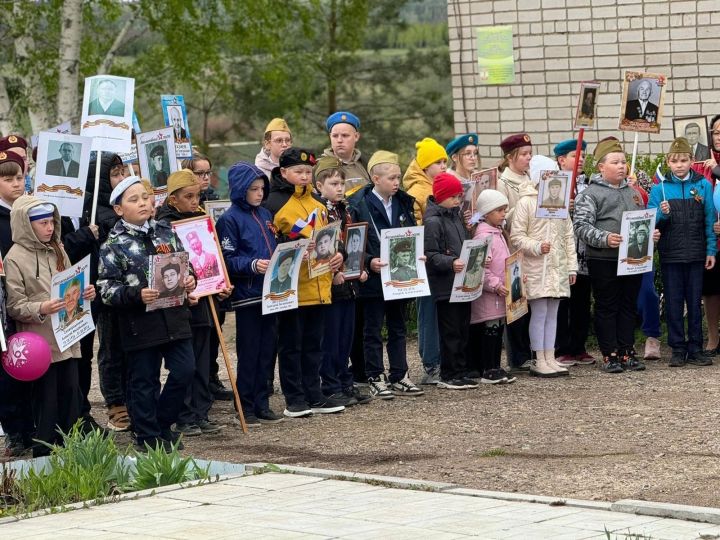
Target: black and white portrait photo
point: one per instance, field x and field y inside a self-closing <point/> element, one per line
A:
<point x="66" y="163"/>
<point x="107" y="97"/>
<point x="694" y="129"/>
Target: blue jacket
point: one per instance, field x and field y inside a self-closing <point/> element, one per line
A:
<point x="366" y="206"/>
<point x="246" y="235"/>
<point x="687" y="231"/>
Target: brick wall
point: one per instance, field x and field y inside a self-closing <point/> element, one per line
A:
<point x="559" y="43"/>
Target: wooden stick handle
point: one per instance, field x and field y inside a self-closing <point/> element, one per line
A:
<point x="93" y="212"/>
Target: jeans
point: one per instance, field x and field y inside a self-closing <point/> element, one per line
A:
<point x="682" y="284"/>
<point x="198" y="398"/>
<point x="393" y="312"/>
<point x="256" y="343"/>
<point x="337" y="342"/>
<point x="428" y="335"/>
<point x="648" y="304"/>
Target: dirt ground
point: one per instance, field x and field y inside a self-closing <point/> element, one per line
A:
<point x="650" y="435"/>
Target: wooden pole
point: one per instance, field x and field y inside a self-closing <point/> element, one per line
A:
<point x="231" y="373"/>
<point x="98" y="158"/>
<point x="634" y="155"/>
<point x="578" y="149"/>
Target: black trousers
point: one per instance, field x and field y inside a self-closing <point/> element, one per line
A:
<point x="112" y="364"/>
<point x="214" y="367"/>
<point x="393" y="313"/>
<point x="615" y="306"/>
<point x="357" y="353"/>
<point x="256" y="343"/>
<point x="485" y="341"/>
<point x="517" y="341"/>
<point x="56" y="403"/>
<point x="300" y="354"/>
<point x="198" y="398"/>
<point x="573" y="322"/>
<point x="16" y="406"/>
<point x="453" y="324"/>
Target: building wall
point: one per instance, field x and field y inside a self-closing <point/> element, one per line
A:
<point x="559" y="43"/>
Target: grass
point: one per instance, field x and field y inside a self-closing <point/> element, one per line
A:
<point x="493" y="452"/>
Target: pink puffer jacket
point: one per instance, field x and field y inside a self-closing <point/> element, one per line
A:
<point x="490" y="305"/>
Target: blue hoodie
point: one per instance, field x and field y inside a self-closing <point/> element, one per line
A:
<point x="246" y="235"/>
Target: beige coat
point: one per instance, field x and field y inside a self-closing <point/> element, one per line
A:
<point x="509" y="184"/>
<point x="528" y="233"/>
<point x="29" y="267"/>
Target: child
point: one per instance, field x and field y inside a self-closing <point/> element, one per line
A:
<point x="146" y="337"/>
<point x="383" y="206"/>
<point x="445" y="233"/>
<point x="337" y="380"/>
<point x="300" y="334"/>
<point x="487" y="320"/>
<point x="464" y="157"/>
<point x="431" y="160"/>
<point x="687" y="248"/>
<point x="571" y="336"/>
<point x="12" y="185"/>
<point x="550" y="267"/>
<point x="598" y="212"/>
<point x="35" y="257"/>
<point x="183" y="202"/>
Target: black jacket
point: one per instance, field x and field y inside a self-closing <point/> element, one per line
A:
<point x="444" y="237"/>
<point x="366" y="206"/>
<point x="339" y="212"/>
<point x="5" y="231"/>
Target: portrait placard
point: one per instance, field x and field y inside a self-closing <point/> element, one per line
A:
<point x="199" y="238"/>
<point x="64" y="128"/>
<point x="156" y="153"/>
<point x="516" y="304"/>
<point x="281" y="278"/>
<point x="107" y="112"/>
<point x="355" y="244"/>
<point x="467" y="285"/>
<point x="215" y="209"/>
<point x="479" y="182"/>
<point x="635" y="254"/>
<point x="404" y="276"/>
<point x="326" y="245"/>
<point x="74" y="321"/>
<point x="642" y="102"/>
<point x="553" y="194"/>
<point x="62" y="170"/>
<point x="175" y="116"/>
<point x="167" y="274"/>
<point x="695" y="130"/>
<point x="587" y="104"/>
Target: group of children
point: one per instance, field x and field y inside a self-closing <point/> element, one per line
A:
<point x="460" y="343"/>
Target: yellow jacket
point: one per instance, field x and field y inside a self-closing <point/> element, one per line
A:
<point x="419" y="185"/>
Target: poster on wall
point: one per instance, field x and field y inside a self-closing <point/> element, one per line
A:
<point x="496" y="64"/>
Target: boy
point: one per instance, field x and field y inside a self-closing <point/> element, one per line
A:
<point x="248" y="242"/>
<point x="431" y="160"/>
<point x="146" y="337"/>
<point x="337" y="380"/>
<point x="687" y="247"/>
<point x="295" y="214"/>
<point x="383" y="206"/>
<point x="445" y="233"/>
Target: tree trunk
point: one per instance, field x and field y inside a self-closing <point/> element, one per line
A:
<point x="70" y="35"/>
<point x="6" y="122"/>
<point x="332" y="43"/>
<point x="107" y="62"/>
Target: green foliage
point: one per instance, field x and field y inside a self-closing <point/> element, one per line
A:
<point x="646" y="163"/>
<point x="160" y="468"/>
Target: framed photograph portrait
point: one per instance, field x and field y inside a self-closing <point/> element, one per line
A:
<point x="587" y="104"/>
<point x="281" y="278"/>
<point x="553" y="194"/>
<point x="107" y="112"/>
<point x="694" y="129"/>
<point x="326" y="246"/>
<point x="404" y="276"/>
<point x="175" y="116"/>
<point x="467" y="285"/>
<point x="62" y="170"/>
<point x="167" y="275"/>
<point x="215" y="209"/>
<point x="642" y="102"/>
<point x="156" y="154"/>
<point x="516" y="304"/>
<point x="74" y="321"/>
<point x="479" y="182"/>
<point x="199" y="238"/>
<point x="635" y="254"/>
<point x="355" y="244"/>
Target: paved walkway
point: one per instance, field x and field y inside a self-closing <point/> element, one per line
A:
<point x="276" y="505"/>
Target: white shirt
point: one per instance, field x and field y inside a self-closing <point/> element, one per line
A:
<point x="387" y="205"/>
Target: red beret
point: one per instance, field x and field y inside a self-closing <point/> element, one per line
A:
<point x="13" y="141"/>
<point x="6" y="157"/>
<point x="446" y="185"/>
<point x="515" y="141"/>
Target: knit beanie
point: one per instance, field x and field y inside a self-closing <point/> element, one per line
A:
<point x="446" y="185"/>
<point x="428" y="152"/>
<point x="490" y="200"/>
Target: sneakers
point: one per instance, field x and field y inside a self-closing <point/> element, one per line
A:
<point x="431" y="376"/>
<point x="566" y="360"/>
<point x="208" y="426"/>
<point x="189" y="430"/>
<point x="506" y="377"/>
<point x="584" y="359"/>
<point x="269" y="417"/>
<point x="343" y="399"/>
<point x="405" y="387"/>
<point x="611" y="364"/>
<point x="218" y="391"/>
<point x="297" y="410"/>
<point x="469" y="383"/>
<point x="330" y="405"/>
<point x="251" y="421"/>
<point x="631" y="363"/>
<point x="698" y="360"/>
<point x="14" y="445"/>
<point x="524" y="367"/>
<point x="118" y="418"/>
<point x="652" y="349"/>
<point x="493" y="376"/>
<point x="452" y="384"/>
<point x="361" y="396"/>
<point x="540" y="368"/>
<point x="378" y="387"/>
<point x="677" y="359"/>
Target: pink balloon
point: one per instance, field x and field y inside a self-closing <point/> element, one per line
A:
<point x="27" y="357"/>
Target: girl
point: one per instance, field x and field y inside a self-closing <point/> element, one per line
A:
<point x="464" y="157"/>
<point x="487" y="320"/>
<point x="550" y="264"/>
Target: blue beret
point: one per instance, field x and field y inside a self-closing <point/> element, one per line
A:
<point x="565" y="147"/>
<point x="342" y="117"/>
<point x="458" y="143"/>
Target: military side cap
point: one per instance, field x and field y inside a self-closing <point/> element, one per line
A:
<point x="325" y="163"/>
<point x="277" y="124"/>
<point x="13" y="141"/>
<point x="8" y="156"/>
<point x="680" y="146"/>
<point x="382" y="156"/>
<point x="605" y="147"/>
<point x="565" y="147"/>
<point x="159" y="150"/>
<point x="512" y="142"/>
<point x="460" y="142"/>
<point x="297" y="156"/>
<point x="342" y="117"/>
<point x="180" y="179"/>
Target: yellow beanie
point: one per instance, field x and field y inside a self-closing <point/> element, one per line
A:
<point x="277" y="124"/>
<point x="428" y="152"/>
<point x="180" y="179"/>
<point x="382" y="156"/>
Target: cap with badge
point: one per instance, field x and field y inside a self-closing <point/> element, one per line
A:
<point x="512" y="142"/>
<point x="342" y="117"/>
<point x="297" y="156"/>
<point x="41" y="211"/>
<point x="277" y="124"/>
<point x="382" y="156"/>
<point x="180" y="179"/>
<point x="325" y="163"/>
<point x="159" y="150"/>
<point x="565" y="147"/>
<point x="607" y="146"/>
<point x="8" y="156"/>
<point x="460" y="142"/>
<point x="680" y="146"/>
<point x="116" y="195"/>
<point x="12" y="141"/>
